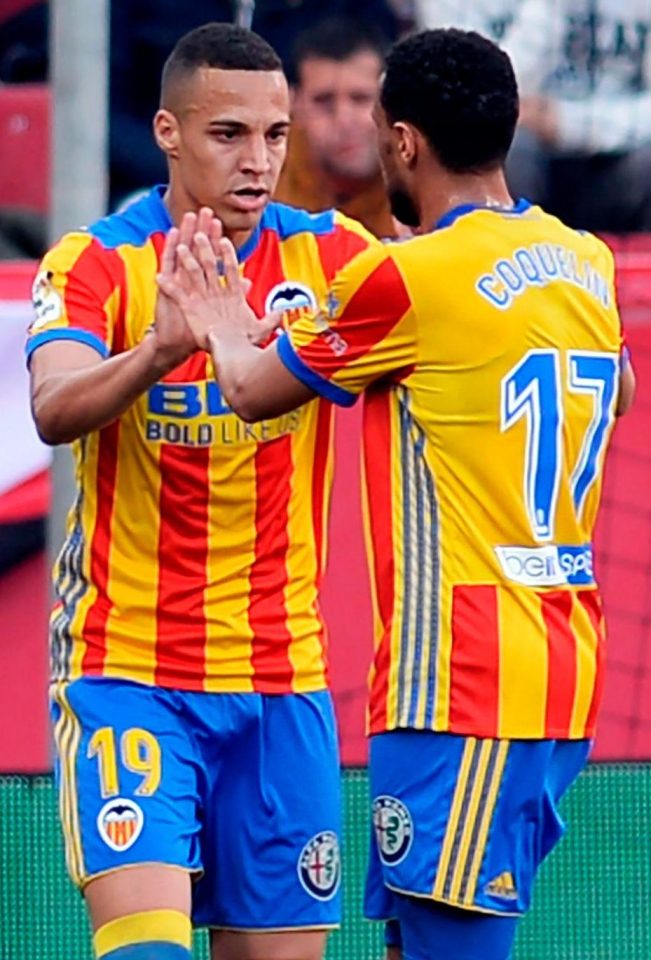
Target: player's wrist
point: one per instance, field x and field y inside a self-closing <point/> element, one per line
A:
<point x="163" y="357"/>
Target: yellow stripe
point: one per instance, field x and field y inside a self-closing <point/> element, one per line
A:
<point x="522" y="679"/>
<point x="150" y="926"/>
<point x="60" y="741"/>
<point x="70" y="760"/>
<point x="87" y="473"/>
<point x="301" y="260"/>
<point x="67" y="734"/>
<point x="502" y="752"/>
<point x="397" y="534"/>
<point x="231" y="552"/>
<point x="470" y="819"/>
<point x="135" y="523"/>
<point x="453" y="820"/>
<point x="410" y="613"/>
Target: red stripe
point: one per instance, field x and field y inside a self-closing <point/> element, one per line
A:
<point x="94" y="276"/>
<point x="182" y="564"/>
<point x="338" y="248"/>
<point x="474" y="664"/>
<point x="561" y="676"/>
<point x="322" y="451"/>
<point x="376" y="307"/>
<point x="590" y="600"/>
<point x="272" y="669"/>
<point x="265" y="268"/>
<point x="377" y="466"/>
<point x="94" y="631"/>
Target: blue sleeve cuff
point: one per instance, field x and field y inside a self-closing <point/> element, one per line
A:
<point x="299" y="369"/>
<point x="66" y="333"/>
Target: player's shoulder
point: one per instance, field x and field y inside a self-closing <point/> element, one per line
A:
<point x="96" y="243"/>
<point x="288" y="221"/>
<point x="135" y="224"/>
<point x="587" y="245"/>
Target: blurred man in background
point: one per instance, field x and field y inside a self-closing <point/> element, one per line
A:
<point x="583" y="147"/>
<point x="144" y="31"/>
<point x="490" y="17"/>
<point x="333" y="158"/>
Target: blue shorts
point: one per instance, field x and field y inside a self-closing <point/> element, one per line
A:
<point x="464" y="822"/>
<point x="243" y="790"/>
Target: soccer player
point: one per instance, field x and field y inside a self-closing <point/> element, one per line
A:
<point x="490" y="350"/>
<point x="197" y="756"/>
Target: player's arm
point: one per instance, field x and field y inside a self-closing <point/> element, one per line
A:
<point x="367" y="304"/>
<point x="76" y="386"/>
<point x="74" y="391"/>
<point x="627" y="384"/>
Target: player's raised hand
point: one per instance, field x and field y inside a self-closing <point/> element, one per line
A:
<point x="208" y="289"/>
<point x="174" y="338"/>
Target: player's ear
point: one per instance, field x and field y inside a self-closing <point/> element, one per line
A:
<point x="406" y="143"/>
<point x="166" y="132"/>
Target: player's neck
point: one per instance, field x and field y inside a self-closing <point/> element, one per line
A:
<point x="445" y="193"/>
<point x="178" y="203"/>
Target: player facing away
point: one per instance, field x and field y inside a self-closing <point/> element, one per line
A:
<point x="197" y="756"/>
<point x="490" y="352"/>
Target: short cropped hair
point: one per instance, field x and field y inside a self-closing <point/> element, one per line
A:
<point x="459" y="90"/>
<point x="222" y="46"/>
<point x="336" y="38"/>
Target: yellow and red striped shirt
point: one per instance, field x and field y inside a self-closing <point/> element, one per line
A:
<point x="196" y="543"/>
<point x="490" y="354"/>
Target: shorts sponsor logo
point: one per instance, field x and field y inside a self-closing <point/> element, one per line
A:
<point x="319" y="865"/>
<point x="548" y="566"/>
<point x="120" y="823"/>
<point x="290" y="298"/>
<point x="394" y="829"/>
<point x="48" y="305"/>
<point x="502" y="887"/>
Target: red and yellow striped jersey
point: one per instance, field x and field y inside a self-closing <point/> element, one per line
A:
<point x="490" y="352"/>
<point x="196" y="543"/>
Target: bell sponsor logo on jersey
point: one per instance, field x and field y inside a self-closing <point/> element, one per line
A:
<point x="548" y="566"/>
<point x="120" y="823"/>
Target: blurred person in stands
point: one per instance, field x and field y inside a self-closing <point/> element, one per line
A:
<point x="142" y="34"/>
<point x="489" y="17"/>
<point x="197" y="755"/>
<point x="491" y="354"/>
<point x="583" y="147"/>
<point x="333" y="157"/>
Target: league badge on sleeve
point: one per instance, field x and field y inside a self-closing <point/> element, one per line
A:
<point x="48" y="305"/>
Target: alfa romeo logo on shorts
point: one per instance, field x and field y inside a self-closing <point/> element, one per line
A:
<point x="394" y="829"/>
<point x="119" y="823"/>
<point x="319" y="865"/>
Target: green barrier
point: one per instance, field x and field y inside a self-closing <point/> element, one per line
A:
<point x="592" y="900"/>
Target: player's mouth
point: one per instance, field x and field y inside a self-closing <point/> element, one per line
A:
<point x="250" y="199"/>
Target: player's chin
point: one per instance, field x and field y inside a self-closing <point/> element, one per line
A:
<point x="236" y="220"/>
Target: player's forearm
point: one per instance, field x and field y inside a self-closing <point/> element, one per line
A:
<point x="235" y="360"/>
<point x="67" y="405"/>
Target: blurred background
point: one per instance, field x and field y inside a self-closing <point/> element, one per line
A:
<point x="78" y="88"/>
